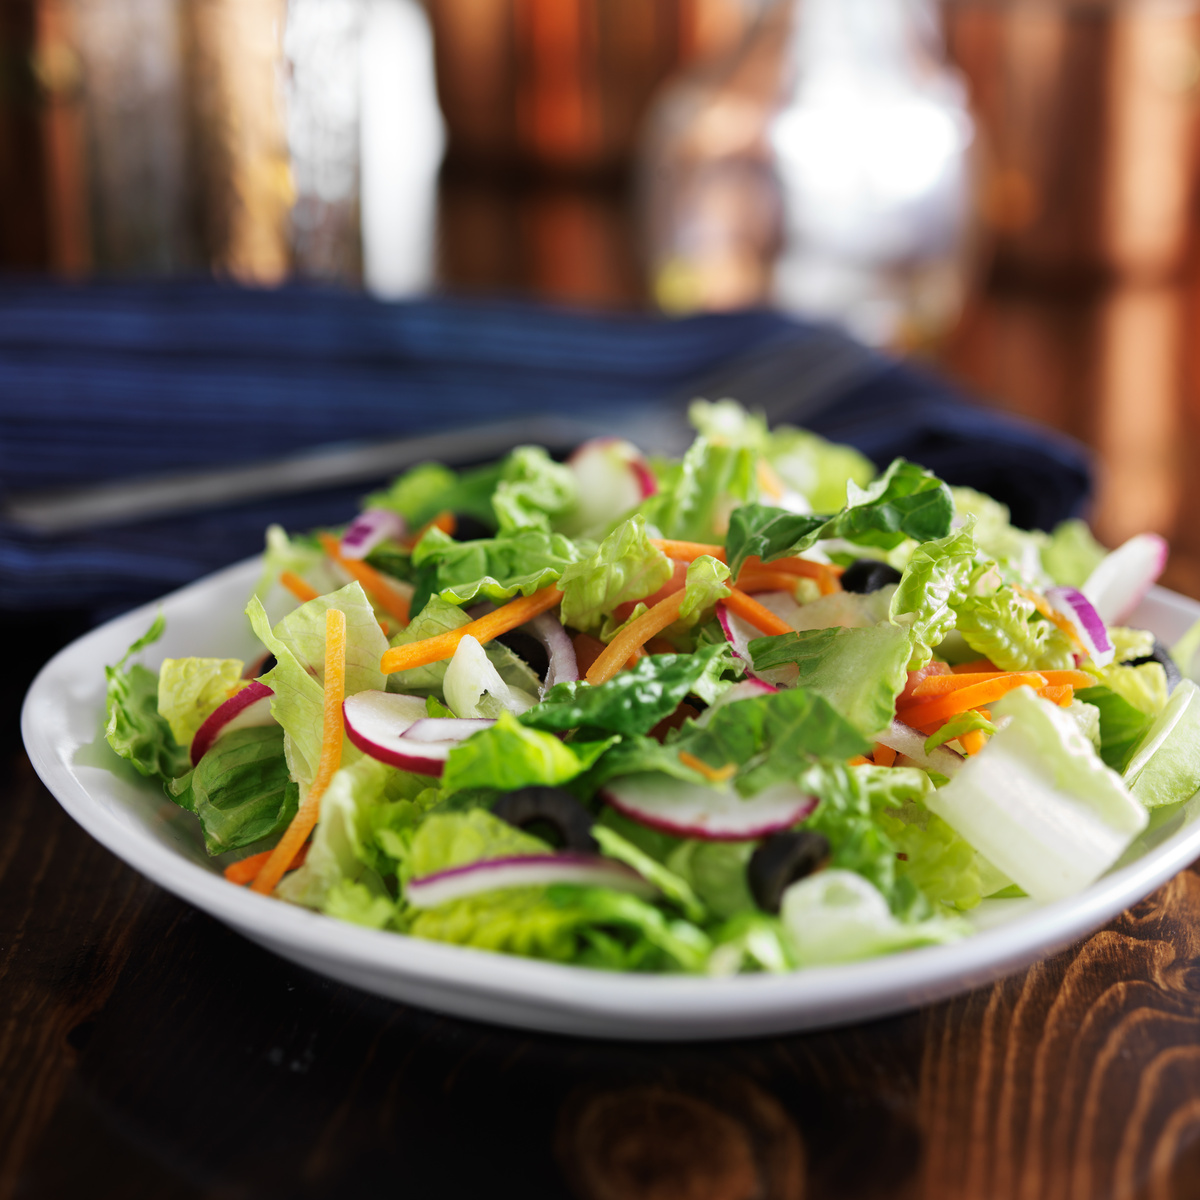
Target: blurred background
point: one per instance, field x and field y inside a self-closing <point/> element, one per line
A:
<point x="1005" y="188"/>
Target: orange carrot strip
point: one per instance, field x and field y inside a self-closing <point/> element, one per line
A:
<point x="383" y="593"/>
<point x="712" y="774"/>
<point x="306" y="816"/>
<point x="447" y="522"/>
<point x="298" y="587"/>
<point x="885" y="756"/>
<point x="942" y="708"/>
<point x="492" y="625"/>
<point x="941" y="685"/>
<point x="975" y="666"/>
<point x="858" y="761"/>
<point x="1060" y="694"/>
<point x="687" y="551"/>
<point x="762" y="580"/>
<point x="678" y="580"/>
<point x="973" y="742"/>
<point x="247" y="869"/>
<point x="762" y="618"/>
<point x="635" y="635"/>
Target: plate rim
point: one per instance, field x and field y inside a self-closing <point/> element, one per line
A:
<point x="678" y="1007"/>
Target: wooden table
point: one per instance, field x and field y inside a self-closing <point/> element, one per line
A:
<point x="148" y="1052"/>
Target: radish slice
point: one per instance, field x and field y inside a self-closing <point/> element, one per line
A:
<point x="782" y="604"/>
<point x="370" y="528"/>
<point x="740" y="634"/>
<point x="529" y="870"/>
<point x="243" y="710"/>
<point x="613" y="477"/>
<point x="446" y="729"/>
<point x="563" y="668"/>
<point x="911" y="743"/>
<point x="1077" y="608"/>
<point x="378" y="723"/>
<point x="1118" y="584"/>
<point x="712" y="814"/>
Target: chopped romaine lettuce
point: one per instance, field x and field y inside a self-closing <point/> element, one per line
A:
<point x="1165" y="767"/>
<point x="190" y="689"/>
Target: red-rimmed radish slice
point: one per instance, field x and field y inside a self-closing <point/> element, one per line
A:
<point x="529" y="870"/>
<point x="1078" y="609"/>
<point x="613" y="477"/>
<point x="243" y="710"/>
<point x="379" y="723"/>
<point x="739" y="634"/>
<point x="370" y="528"/>
<point x="911" y="743"/>
<point x="1118" y="584"/>
<point x="713" y="814"/>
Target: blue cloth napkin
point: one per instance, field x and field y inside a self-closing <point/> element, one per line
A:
<point x="103" y="382"/>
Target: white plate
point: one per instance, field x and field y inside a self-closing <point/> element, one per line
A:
<point x="61" y="722"/>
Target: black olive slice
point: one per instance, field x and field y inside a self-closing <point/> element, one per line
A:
<point x="470" y="529"/>
<point x="551" y="814"/>
<point x="1161" y="655"/>
<point x="868" y="575"/>
<point x="526" y="646"/>
<point x="782" y="859"/>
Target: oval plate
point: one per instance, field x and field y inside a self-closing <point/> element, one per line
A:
<point x="62" y="721"/>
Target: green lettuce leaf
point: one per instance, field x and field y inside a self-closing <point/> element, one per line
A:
<point x="624" y="567"/>
<point x="932" y="857"/>
<point x="694" y="500"/>
<point x="1130" y="643"/>
<point x="937" y="578"/>
<point x="1018" y="552"/>
<point x="297" y="679"/>
<point x="533" y="489"/>
<point x="750" y="941"/>
<point x="634" y="701"/>
<point x="509" y="756"/>
<point x="191" y="689"/>
<point x="421" y="493"/>
<point x="819" y="470"/>
<point x="906" y="501"/>
<point x="133" y="726"/>
<point x="859" y="671"/>
<point x="1184" y="652"/>
<point x="673" y="887"/>
<point x="1122" y="726"/>
<point x="707" y="582"/>
<point x="1165" y="767"/>
<point x="303" y="556"/>
<point x="240" y="791"/>
<point x="1006" y="628"/>
<point x="446" y="840"/>
<point x="493" y="568"/>
<point x="1144" y="687"/>
<point x="960" y="723"/>
<point x="716" y="872"/>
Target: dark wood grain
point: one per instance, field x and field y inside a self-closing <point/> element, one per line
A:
<point x="146" y="1051"/>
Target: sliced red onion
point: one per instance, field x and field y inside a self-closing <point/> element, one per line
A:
<point x="911" y="743"/>
<point x="713" y="814"/>
<point x="243" y="710"/>
<point x="1078" y="609"/>
<point x="370" y="528"/>
<point x="740" y="634"/>
<point x="1118" y="584"/>
<point x="529" y="870"/>
<point x="560" y="651"/>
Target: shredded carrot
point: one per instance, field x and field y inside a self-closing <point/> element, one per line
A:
<point x="247" y="869"/>
<point x="973" y="742"/>
<point x="1060" y="694"/>
<point x="933" y="667"/>
<point x="687" y="551"/>
<point x="859" y="761"/>
<point x="884" y="756"/>
<point x="942" y="685"/>
<point x="298" y="587"/>
<point x="379" y="589"/>
<point x="762" y="618"/>
<point x="492" y="625"/>
<point x="632" y="660"/>
<point x="678" y="581"/>
<point x="942" y="708"/>
<point x="712" y="774"/>
<point x="635" y="635"/>
<point x="447" y="522"/>
<point x="974" y="667"/>
<point x="305" y="819"/>
<point x="764" y="580"/>
<point x="587" y="650"/>
<point x="827" y="576"/>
